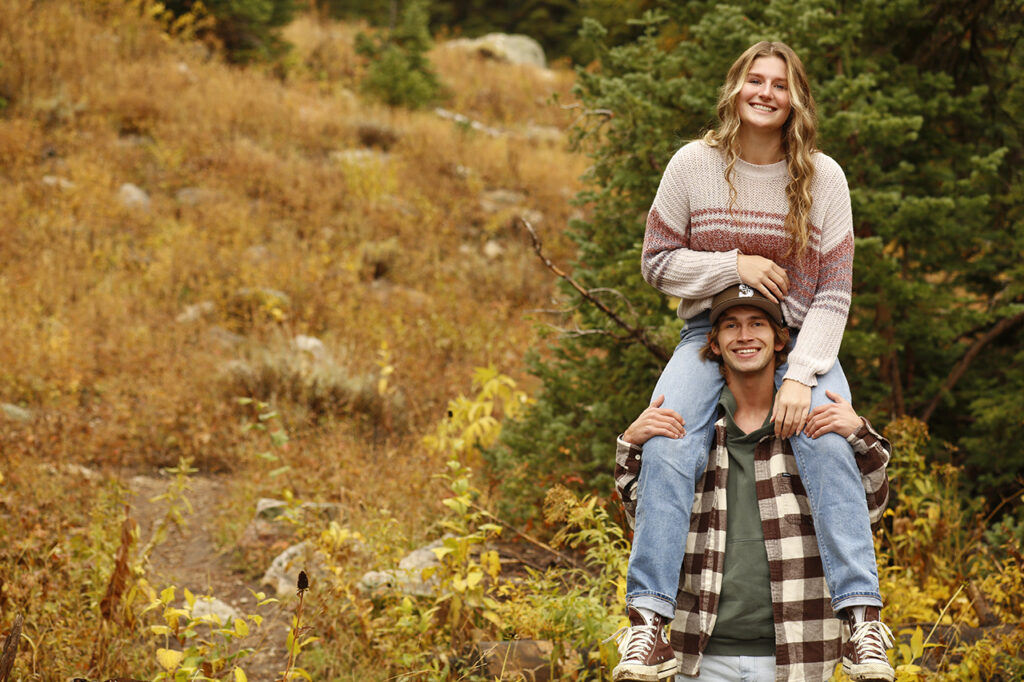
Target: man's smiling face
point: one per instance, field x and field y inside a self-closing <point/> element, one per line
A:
<point x="746" y="340"/>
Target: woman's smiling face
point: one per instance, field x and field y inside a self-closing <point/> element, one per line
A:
<point x="763" y="101"/>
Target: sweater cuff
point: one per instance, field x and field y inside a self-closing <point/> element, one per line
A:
<point x="805" y="375"/>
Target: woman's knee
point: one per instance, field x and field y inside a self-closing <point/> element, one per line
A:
<point x="665" y="457"/>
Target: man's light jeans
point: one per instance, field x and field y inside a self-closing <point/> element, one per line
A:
<point x="734" y="669"/>
<point x="671" y="467"/>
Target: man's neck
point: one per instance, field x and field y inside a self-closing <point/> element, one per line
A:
<point x="754" y="393"/>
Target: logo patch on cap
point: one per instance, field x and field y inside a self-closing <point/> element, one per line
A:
<point x="745" y="291"/>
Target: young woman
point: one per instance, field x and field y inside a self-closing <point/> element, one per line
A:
<point x="753" y="203"/>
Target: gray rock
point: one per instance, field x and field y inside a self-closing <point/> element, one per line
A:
<point x="493" y="250"/>
<point x="82" y="471"/>
<point x="194" y="196"/>
<point x="211" y="606"/>
<point x="468" y="122"/>
<point x="505" y="47"/>
<point x="497" y="200"/>
<point x="133" y="196"/>
<point x="283" y="574"/>
<point x="57" y="181"/>
<point x="408" y="577"/>
<point x="311" y="345"/>
<point x="15" y="412"/>
<point x="269" y="508"/>
<point x="195" y="312"/>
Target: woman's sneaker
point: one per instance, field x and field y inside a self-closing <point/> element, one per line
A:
<point x="646" y="655"/>
<point x="864" y="658"/>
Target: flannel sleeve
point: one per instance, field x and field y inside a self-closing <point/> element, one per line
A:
<point x="872" y="452"/>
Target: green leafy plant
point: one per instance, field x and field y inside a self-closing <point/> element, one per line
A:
<point x="205" y="648"/>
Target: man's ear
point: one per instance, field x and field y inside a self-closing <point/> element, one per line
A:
<point x="715" y="348"/>
<point x="781" y="341"/>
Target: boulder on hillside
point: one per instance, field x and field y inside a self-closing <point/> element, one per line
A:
<point x="15" y="412"/>
<point x="505" y="47"/>
<point x="206" y="606"/>
<point x="283" y="575"/>
<point x="408" y="577"/>
<point x="133" y="196"/>
<point x="275" y="522"/>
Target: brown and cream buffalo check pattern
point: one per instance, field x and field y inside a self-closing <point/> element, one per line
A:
<point x="808" y="636"/>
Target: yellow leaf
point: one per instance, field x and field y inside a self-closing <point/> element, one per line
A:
<point x="190" y="598"/>
<point x="160" y="629"/>
<point x="241" y="628"/>
<point x="167" y="596"/>
<point x="240" y="676"/>
<point x="168" y="658"/>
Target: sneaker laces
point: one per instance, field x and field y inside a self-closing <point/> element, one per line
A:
<point x="634" y="641"/>
<point x="872" y="638"/>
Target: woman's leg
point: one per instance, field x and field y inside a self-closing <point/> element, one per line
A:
<point x="669" y="474"/>
<point x="830" y="475"/>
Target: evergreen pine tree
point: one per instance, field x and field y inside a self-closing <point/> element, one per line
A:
<point x="400" y="73"/>
<point x="918" y="103"/>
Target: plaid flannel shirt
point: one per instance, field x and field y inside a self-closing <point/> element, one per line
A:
<point x="808" y="636"/>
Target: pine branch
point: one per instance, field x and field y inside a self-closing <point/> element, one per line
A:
<point x="638" y="334"/>
<point x="965" y="362"/>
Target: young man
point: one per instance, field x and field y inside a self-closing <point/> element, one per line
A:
<point x="752" y="602"/>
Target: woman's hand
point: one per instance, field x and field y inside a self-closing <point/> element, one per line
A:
<point x="655" y="421"/>
<point x="791" y="405"/>
<point x="839" y="417"/>
<point x="764" y="275"/>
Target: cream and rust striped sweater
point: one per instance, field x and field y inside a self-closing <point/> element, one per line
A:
<point x="692" y="240"/>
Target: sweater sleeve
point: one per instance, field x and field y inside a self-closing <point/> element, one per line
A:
<point x="822" y="330"/>
<point x="668" y="263"/>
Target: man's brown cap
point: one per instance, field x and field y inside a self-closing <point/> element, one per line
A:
<point x="741" y="294"/>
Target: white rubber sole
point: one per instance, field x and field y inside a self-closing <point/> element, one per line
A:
<point x="868" y="672"/>
<point x="645" y="673"/>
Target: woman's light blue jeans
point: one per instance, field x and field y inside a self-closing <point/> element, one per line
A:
<point x="671" y="468"/>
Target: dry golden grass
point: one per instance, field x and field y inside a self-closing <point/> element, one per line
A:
<point x="279" y="206"/>
<point x="368" y="220"/>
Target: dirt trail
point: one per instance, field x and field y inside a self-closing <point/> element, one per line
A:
<point x="190" y="558"/>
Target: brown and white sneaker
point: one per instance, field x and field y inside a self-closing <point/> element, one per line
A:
<point x="646" y="655"/>
<point x="864" y="658"/>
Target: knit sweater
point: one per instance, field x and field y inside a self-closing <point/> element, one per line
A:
<point x="692" y="241"/>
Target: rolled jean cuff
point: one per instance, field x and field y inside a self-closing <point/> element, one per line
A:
<point x="856" y="599"/>
<point x="660" y="605"/>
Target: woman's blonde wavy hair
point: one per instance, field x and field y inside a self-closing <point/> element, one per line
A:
<point x="799" y="134"/>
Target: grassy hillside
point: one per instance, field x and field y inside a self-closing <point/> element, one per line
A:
<point x="276" y="208"/>
<point x="277" y="205"/>
<point x="219" y="284"/>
